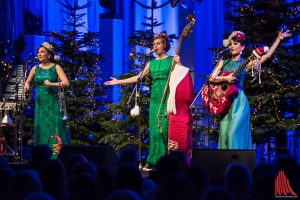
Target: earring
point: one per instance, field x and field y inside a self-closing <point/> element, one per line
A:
<point x="241" y="52"/>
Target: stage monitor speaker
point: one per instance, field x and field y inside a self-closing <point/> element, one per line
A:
<point x="215" y="161"/>
<point x="98" y="154"/>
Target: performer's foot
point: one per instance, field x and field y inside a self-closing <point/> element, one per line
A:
<point x="147" y="168"/>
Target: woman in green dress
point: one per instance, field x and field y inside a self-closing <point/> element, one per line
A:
<point x="48" y="77"/>
<point x="159" y="69"/>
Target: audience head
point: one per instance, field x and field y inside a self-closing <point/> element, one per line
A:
<point x="216" y="193"/>
<point x="129" y="155"/>
<point x="39" y="196"/>
<point x="24" y="183"/>
<point x="199" y="178"/>
<point x="176" y="188"/>
<point x="53" y="178"/>
<point x="129" y="177"/>
<point x="39" y="155"/>
<point x="106" y="181"/>
<point x="264" y="186"/>
<point x="181" y="158"/>
<point x="84" y="186"/>
<point x="167" y="166"/>
<point x="81" y="168"/>
<point x="238" y="178"/>
<point x="74" y="160"/>
<point x="6" y="176"/>
<point x="123" y="195"/>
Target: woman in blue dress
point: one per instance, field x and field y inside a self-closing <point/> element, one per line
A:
<point x="235" y="130"/>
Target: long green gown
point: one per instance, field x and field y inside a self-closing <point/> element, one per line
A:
<point x="235" y="130"/>
<point x="47" y="118"/>
<point x="159" y="71"/>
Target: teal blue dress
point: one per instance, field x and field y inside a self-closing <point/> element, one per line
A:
<point x="47" y="117"/>
<point x="235" y="130"/>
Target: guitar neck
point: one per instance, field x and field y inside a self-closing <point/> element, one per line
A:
<point x="242" y="66"/>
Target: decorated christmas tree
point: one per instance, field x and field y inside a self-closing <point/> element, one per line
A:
<point x="80" y="60"/>
<point x="274" y="102"/>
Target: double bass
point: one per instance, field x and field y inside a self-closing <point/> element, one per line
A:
<point x="177" y="78"/>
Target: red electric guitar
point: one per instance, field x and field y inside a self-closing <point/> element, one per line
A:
<point x="221" y="95"/>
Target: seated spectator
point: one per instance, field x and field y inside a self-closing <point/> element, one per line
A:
<point x="129" y="155"/>
<point x="217" y="193"/>
<point x="38" y="196"/>
<point x="24" y="183"/>
<point x="106" y="181"/>
<point x="39" y="155"/>
<point x="263" y="168"/>
<point x="53" y="178"/>
<point x="264" y="186"/>
<point x="84" y="186"/>
<point x="167" y="166"/>
<point x="6" y="176"/>
<point x="123" y="195"/>
<point x="176" y="188"/>
<point x="81" y="168"/>
<point x="129" y="177"/>
<point x="238" y="180"/>
<point x="199" y="178"/>
<point x="74" y="160"/>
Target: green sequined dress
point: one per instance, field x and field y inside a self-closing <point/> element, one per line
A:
<point x="47" y="117"/>
<point x="159" y="71"/>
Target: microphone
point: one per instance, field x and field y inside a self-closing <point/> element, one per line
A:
<point x="152" y="50"/>
<point x="33" y="59"/>
<point x="224" y="50"/>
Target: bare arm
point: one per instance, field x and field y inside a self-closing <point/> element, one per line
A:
<point x="29" y="79"/>
<point x="132" y="79"/>
<point x="62" y="76"/>
<point x="281" y="36"/>
<point x="215" y="78"/>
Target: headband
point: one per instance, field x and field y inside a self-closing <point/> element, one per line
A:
<point x="235" y="35"/>
<point x="48" y="46"/>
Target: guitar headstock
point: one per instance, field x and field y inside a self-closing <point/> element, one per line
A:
<point x="189" y="27"/>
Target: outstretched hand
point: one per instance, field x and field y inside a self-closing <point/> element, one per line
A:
<point x="113" y="81"/>
<point x="282" y="35"/>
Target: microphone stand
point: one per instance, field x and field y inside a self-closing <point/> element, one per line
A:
<point x="137" y="90"/>
<point x="207" y="82"/>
